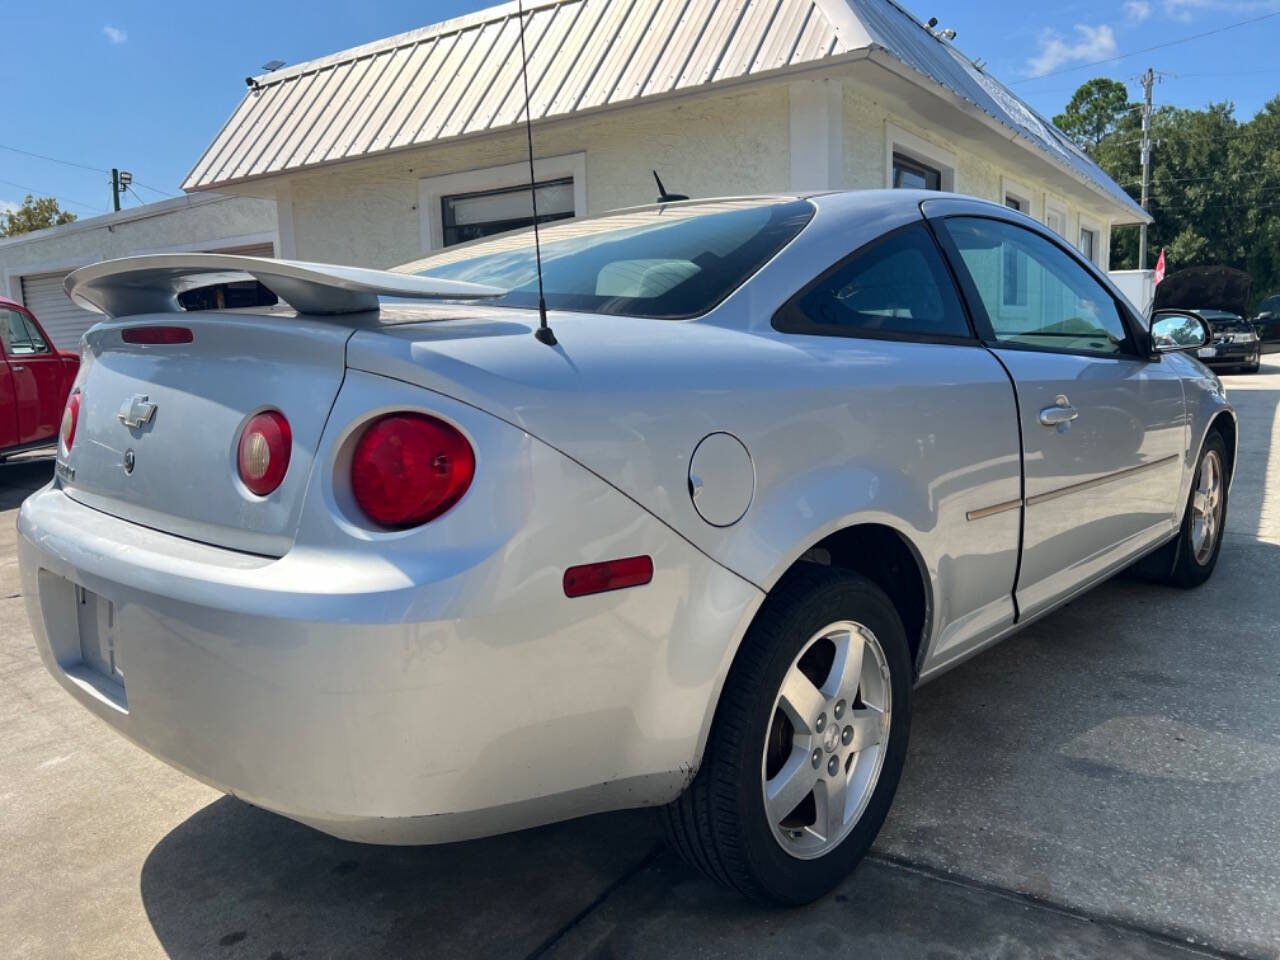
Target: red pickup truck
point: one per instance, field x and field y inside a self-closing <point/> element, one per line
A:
<point x="35" y="378"/>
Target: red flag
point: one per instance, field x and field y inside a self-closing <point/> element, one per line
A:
<point x="1160" y="267"/>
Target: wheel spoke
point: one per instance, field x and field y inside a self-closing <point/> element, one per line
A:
<point x="868" y="727"/>
<point x="1200" y="502"/>
<point x="793" y="783"/>
<point x="801" y="701"/>
<point x="846" y="669"/>
<point x="831" y="795"/>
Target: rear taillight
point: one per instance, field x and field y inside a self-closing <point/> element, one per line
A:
<point x="263" y="454"/>
<point x="70" y="417"/>
<point x="409" y="468"/>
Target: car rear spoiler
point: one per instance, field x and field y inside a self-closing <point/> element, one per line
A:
<point x="151" y="283"/>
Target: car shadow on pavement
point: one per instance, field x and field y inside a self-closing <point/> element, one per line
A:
<point x="235" y="875"/>
<point x="21" y="478"/>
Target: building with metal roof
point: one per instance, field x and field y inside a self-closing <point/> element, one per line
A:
<point x="380" y="153"/>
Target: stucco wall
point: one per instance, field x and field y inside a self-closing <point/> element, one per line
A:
<point x="868" y="127"/>
<point x="186" y="223"/>
<point x="366" y="213"/>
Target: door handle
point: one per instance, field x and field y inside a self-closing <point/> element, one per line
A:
<point x="16" y="368"/>
<point x="1061" y="412"/>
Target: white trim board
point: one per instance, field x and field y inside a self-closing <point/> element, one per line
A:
<point x="897" y="140"/>
<point x="432" y="189"/>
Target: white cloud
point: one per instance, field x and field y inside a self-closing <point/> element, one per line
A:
<point x="115" y="34"/>
<point x="1137" y="10"/>
<point x="8" y="206"/>
<point x="1091" y="43"/>
<point x="1185" y="10"/>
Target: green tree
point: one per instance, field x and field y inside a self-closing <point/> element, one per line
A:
<point x="1215" y="186"/>
<point x="34" y="214"/>
<point x="1094" y="111"/>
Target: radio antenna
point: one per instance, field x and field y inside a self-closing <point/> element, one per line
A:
<point x="544" y="333"/>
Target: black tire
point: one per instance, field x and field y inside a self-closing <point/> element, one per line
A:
<point x="719" y="824"/>
<point x="1188" y="570"/>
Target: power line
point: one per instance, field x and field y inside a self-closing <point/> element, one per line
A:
<point x="65" y="163"/>
<point x="35" y="192"/>
<point x="79" y="166"/>
<point x="1158" y="46"/>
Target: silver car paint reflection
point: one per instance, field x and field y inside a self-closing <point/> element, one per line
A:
<point x="435" y="683"/>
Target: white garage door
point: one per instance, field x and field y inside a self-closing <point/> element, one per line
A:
<point x="43" y="295"/>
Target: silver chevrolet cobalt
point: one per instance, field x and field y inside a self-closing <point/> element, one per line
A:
<point x="398" y="560"/>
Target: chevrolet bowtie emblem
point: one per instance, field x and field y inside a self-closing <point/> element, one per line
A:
<point x="136" y="411"/>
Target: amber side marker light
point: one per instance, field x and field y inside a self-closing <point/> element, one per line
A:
<point x="609" y="575"/>
<point x="156" y="335"/>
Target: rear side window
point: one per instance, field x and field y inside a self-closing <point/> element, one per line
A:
<point x="896" y="287"/>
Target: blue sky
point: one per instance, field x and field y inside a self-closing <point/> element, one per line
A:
<point x="145" y="86"/>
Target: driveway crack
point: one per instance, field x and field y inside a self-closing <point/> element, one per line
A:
<point x="1166" y="937"/>
<point x="642" y="865"/>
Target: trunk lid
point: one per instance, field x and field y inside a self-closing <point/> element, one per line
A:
<point x="184" y="478"/>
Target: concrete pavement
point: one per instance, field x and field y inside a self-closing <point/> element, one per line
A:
<point x="1107" y="783"/>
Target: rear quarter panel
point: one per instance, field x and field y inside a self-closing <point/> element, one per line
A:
<point x="840" y="431"/>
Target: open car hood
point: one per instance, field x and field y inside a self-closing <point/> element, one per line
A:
<point x="1205" y="288"/>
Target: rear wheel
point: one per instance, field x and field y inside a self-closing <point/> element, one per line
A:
<point x="807" y="745"/>
<point x="1200" y="538"/>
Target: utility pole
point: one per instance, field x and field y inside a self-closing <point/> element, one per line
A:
<point x="1148" y="79"/>
<point x="115" y="194"/>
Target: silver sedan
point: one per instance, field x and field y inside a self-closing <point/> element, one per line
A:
<point x="408" y="560"/>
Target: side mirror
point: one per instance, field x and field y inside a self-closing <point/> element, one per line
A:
<point x="1176" y="332"/>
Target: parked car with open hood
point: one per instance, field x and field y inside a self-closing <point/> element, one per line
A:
<point x="1220" y="295"/>
<point x="409" y="561"/>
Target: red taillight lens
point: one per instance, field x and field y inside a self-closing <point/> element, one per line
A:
<point x="610" y="575"/>
<point x="156" y="335"/>
<point x="409" y="468"/>
<point x="70" y="418"/>
<point x="263" y="456"/>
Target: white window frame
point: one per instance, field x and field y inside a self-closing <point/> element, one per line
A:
<point x="1094" y="227"/>
<point x="897" y="140"/>
<point x="1018" y="191"/>
<point x="1010" y="188"/>
<point x="1055" y="204"/>
<point x="431" y="190"/>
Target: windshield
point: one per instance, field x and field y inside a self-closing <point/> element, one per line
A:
<point x="669" y="262"/>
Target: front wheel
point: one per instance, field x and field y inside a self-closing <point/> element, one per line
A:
<point x="1200" y="538"/>
<point x="807" y="745"/>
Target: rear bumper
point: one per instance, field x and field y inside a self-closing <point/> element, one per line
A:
<point x="388" y="702"/>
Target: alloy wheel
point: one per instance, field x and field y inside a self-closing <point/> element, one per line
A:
<point x="1206" y="507"/>
<point x="827" y="739"/>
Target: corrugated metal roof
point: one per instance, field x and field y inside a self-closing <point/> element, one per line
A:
<point x="462" y="77"/>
